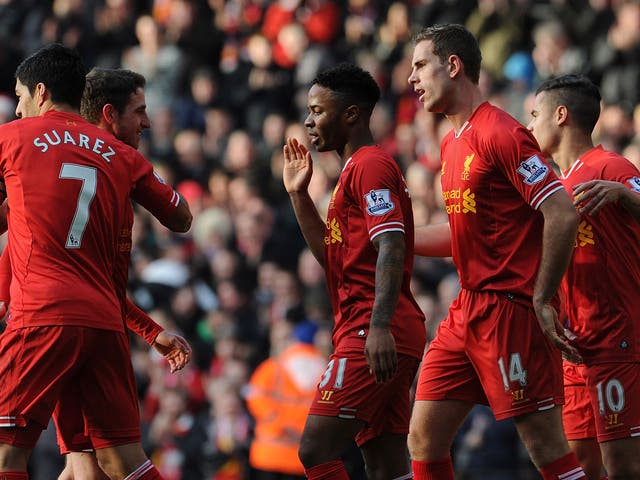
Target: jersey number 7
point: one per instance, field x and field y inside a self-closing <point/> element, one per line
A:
<point x="89" y="178"/>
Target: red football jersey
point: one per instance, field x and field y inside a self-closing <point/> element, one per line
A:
<point x="602" y="283"/>
<point x="493" y="180"/>
<point x="370" y="198"/>
<point x="68" y="184"/>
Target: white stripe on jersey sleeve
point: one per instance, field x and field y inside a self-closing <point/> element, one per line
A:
<point x="545" y="193"/>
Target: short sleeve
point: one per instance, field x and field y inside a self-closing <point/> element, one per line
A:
<point x="377" y="188"/>
<point x="517" y="155"/>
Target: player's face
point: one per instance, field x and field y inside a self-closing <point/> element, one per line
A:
<point x="429" y="78"/>
<point x="324" y="122"/>
<point x="27" y="104"/>
<point x="543" y="124"/>
<point x="129" y="125"/>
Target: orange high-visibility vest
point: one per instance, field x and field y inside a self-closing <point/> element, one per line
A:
<point x="279" y="396"/>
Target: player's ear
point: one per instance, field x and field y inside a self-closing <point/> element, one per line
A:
<point x="352" y="114"/>
<point x="562" y="114"/>
<point x="109" y="113"/>
<point x="454" y="65"/>
<point x="41" y="93"/>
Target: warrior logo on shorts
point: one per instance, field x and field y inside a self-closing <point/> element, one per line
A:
<point x="635" y="184"/>
<point x="533" y="170"/>
<point x="379" y="202"/>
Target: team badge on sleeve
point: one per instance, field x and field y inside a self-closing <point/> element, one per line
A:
<point x="635" y="184"/>
<point x="379" y="202"/>
<point x="533" y="170"/>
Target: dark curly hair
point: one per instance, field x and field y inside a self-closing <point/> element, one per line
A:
<point x="351" y="84"/>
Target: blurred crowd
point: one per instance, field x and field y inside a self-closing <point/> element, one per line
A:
<point x="226" y="84"/>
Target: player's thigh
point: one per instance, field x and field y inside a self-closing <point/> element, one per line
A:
<point x="325" y="438"/>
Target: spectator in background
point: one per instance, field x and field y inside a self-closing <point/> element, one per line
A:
<point x="190" y="162"/>
<point x="616" y="58"/>
<point x="176" y="436"/>
<point x="498" y="26"/>
<point x="202" y="94"/>
<point x="278" y="397"/>
<point x="228" y="434"/>
<point x="553" y="51"/>
<point x="114" y="26"/>
<point x="7" y="109"/>
<point x="161" y="63"/>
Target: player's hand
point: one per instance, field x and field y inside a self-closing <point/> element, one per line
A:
<point x="174" y="348"/>
<point x="380" y="352"/>
<point x="590" y="197"/>
<point x="298" y="166"/>
<point x="555" y="332"/>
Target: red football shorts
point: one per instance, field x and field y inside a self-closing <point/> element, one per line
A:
<point x="491" y="350"/>
<point x="69" y="422"/>
<point x="614" y="389"/>
<point x="577" y="413"/>
<point x="38" y="364"/>
<point x="347" y="390"/>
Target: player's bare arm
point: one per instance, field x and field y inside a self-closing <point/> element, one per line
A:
<point x="590" y="197"/>
<point x="560" y="227"/>
<point x="296" y="175"/>
<point x="380" y="348"/>
<point x="433" y="240"/>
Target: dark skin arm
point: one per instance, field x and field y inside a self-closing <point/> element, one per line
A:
<point x="380" y="348"/>
<point x="296" y="175"/>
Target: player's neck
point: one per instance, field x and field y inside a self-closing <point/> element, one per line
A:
<point x="469" y="99"/>
<point x="357" y="140"/>
<point x="570" y="149"/>
<point x="57" y="107"/>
